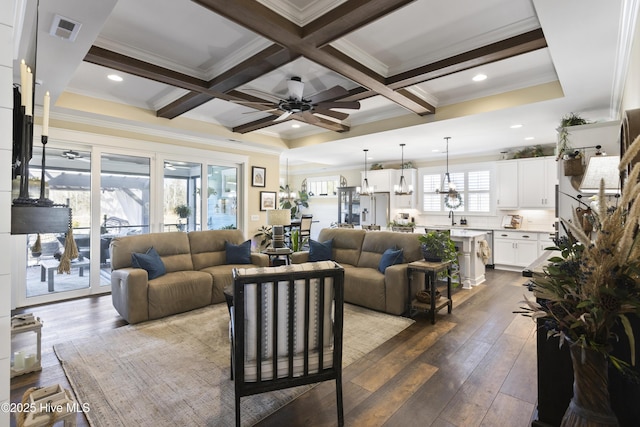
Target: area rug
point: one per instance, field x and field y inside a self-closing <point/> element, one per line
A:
<point x="175" y="371"/>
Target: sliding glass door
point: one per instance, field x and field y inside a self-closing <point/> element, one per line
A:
<point x="124" y="202"/>
<point x="118" y="192"/>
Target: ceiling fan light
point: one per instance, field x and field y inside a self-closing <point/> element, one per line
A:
<point x="296" y="87"/>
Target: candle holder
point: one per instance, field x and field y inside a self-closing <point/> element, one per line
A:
<point x="43" y="201"/>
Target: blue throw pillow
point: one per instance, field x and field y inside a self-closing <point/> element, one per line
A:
<point x="390" y="257"/>
<point x="149" y="261"/>
<point x="238" y="254"/>
<point x="320" y="251"/>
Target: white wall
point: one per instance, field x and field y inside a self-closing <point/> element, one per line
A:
<point x="6" y="129"/>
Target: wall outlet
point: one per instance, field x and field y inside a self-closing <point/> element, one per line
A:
<point x="255" y="217"/>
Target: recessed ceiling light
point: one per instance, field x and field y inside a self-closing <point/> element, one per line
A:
<point x="479" y="77"/>
<point x="435" y="150"/>
<point x="114" y="77"/>
<point x="295" y="125"/>
<point x="529" y="138"/>
<point x="518" y="126"/>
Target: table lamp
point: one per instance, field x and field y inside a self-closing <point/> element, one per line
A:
<point x="599" y="168"/>
<point x="277" y="219"/>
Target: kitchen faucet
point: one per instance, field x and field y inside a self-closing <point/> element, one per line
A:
<point x="451" y="215"/>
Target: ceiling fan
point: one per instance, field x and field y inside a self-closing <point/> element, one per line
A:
<point x="305" y="108"/>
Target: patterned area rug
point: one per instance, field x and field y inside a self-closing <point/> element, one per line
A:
<point x="175" y="371"/>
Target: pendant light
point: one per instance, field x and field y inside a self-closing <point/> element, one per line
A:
<point x="365" y="189"/>
<point x="452" y="198"/>
<point x="402" y="189"/>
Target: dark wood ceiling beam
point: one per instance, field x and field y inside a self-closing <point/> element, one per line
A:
<point x="126" y="64"/>
<point x="266" y="23"/>
<point x="257" y="18"/>
<point x="342" y="64"/>
<point x="267" y="60"/>
<point x="348" y="17"/>
<point x="518" y="45"/>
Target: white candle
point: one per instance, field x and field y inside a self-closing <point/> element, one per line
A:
<point x="18" y="360"/>
<point x="45" y="115"/>
<point x="23" y="83"/>
<point x="30" y="361"/>
<point x="29" y="102"/>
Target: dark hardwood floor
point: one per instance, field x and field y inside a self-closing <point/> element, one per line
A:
<point x="474" y="367"/>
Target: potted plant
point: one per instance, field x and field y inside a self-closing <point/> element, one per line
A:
<point x="437" y="246"/>
<point x="183" y="211"/>
<point x="265" y="234"/>
<point x="564" y="145"/>
<point x="295" y="203"/>
<point x="586" y="291"/>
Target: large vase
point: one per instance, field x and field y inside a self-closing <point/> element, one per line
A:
<point x="590" y="405"/>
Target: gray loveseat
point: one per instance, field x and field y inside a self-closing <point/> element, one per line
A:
<point x="196" y="272"/>
<point x="359" y="252"/>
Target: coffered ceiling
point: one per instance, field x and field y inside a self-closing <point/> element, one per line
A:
<point x="403" y="68"/>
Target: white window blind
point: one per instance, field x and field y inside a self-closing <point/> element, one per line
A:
<point x="474" y="187"/>
<point x="431" y="199"/>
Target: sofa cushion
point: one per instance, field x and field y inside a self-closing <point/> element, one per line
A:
<point x="365" y="287"/>
<point x="149" y="261"/>
<point x="374" y="245"/>
<point x="173" y="248"/>
<point x="178" y="292"/>
<point x="208" y="246"/>
<point x="320" y="251"/>
<point x="238" y="254"/>
<point x="391" y="256"/>
<point x="347" y="243"/>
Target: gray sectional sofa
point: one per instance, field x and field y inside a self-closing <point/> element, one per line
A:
<point x="196" y="272"/>
<point x="359" y="252"/>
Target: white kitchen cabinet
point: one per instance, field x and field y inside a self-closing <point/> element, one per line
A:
<point x="514" y="248"/>
<point x="545" y="240"/>
<point x="537" y="178"/>
<point x="380" y="180"/>
<point x="507" y="184"/>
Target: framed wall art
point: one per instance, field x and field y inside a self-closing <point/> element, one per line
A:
<point x="258" y="176"/>
<point x="268" y="200"/>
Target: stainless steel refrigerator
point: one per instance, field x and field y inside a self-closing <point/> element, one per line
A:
<point x="374" y="210"/>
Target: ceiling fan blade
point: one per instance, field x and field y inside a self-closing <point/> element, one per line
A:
<point x="237" y="101"/>
<point x="283" y="116"/>
<point x="309" y="117"/>
<point x="331" y="93"/>
<point x="330" y="113"/>
<point x="352" y="105"/>
<point x="261" y="111"/>
<point x="274" y="99"/>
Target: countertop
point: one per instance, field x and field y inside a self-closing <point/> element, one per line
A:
<point x="483" y="228"/>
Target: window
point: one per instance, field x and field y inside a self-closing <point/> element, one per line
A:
<point x="474" y="186"/>
<point x="323" y="186"/>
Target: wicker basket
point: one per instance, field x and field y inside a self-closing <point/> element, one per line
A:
<point x="573" y="167"/>
<point x="425" y="296"/>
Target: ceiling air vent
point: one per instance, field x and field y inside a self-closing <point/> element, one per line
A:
<point x="64" y="28"/>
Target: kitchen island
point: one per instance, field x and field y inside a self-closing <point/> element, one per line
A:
<point x="471" y="266"/>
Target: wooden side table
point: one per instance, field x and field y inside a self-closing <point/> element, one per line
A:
<point x="276" y="253"/>
<point x="430" y="270"/>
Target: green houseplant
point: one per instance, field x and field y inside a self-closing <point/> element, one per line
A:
<point x="265" y="234"/>
<point x="294" y="202"/>
<point x="568" y="120"/>
<point x="437" y="246"/>
<point x="183" y="211"/>
<point x="592" y="287"/>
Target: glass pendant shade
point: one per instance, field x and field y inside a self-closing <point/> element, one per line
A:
<point x="365" y="189"/>
<point x="402" y="188"/>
